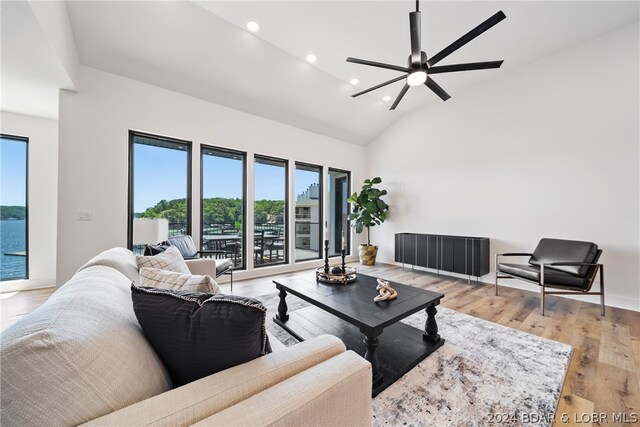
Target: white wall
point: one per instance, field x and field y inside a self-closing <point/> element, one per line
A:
<point x="547" y="150"/>
<point x="94" y="125"/>
<point x="43" y="185"/>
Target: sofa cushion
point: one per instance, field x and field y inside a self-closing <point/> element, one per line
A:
<point x="168" y="260"/>
<point x="556" y="250"/>
<point x="164" y="279"/>
<point x="198" y="334"/>
<point x="79" y="356"/>
<point x="121" y="259"/>
<point x="551" y="277"/>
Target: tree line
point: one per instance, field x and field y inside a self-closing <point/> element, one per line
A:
<point x="215" y="210"/>
<point x="13" y="212"/>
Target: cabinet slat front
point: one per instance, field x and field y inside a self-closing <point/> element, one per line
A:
<point x="456" y="254"/>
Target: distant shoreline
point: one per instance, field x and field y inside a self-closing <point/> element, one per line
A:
<point x="13" y="213"/>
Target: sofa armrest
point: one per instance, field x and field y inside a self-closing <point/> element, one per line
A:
<point x="202" y="266"/>
<point x="200" y="399"/>
<point x="336" y="392"/>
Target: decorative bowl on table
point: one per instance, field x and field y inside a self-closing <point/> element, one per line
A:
<point x="337" y="278"/>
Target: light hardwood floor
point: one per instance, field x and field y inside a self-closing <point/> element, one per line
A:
<point x="604" y="374"/>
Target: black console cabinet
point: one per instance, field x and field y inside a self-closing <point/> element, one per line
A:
<point x="455" y="254"/>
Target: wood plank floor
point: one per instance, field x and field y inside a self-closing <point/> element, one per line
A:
<point x="604" y="374"/>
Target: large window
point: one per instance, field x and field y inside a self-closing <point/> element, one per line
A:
<point x="339" y="185"/>
<point x="270" y="211"/>
<point x="14" y="237"/>
<point x="223" y="202"/>
<point x="308" y="210"/>
<point x="159" y="189"/>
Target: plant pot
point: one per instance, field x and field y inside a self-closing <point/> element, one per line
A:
<point x="367" y="254"/>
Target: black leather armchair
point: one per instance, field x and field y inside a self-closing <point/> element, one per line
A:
<point x="569" y="265"/>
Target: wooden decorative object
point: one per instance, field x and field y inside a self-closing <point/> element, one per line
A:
<point x="349" y="276"/>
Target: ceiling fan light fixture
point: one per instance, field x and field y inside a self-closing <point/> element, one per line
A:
<point x="386" y="98"/>
<point x="253" y="26"/>
<point x="419" y="65"/>
<point x="311" y="58"/>
<point x="416" y="78"/>
<point x="354" y="81"/>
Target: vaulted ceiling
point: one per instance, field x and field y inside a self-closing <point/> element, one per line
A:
<point x="203" y="49"/>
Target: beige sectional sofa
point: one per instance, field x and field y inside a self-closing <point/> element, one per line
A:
<point x="82" y="358"/>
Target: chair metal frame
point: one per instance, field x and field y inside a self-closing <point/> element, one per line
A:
<point x="567" y="290"/>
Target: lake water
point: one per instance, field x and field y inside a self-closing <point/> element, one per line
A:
<point x="12" y="239"/>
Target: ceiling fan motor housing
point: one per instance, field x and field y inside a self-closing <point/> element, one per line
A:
<point x="418" y="67"/>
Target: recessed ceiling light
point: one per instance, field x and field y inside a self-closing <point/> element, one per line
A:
<point x="354" y="81"/>
<point x="311" y="58"/>
<point x="386" y="98"/>
<point x="253" y="26"/>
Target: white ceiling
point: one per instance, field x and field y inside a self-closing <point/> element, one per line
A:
<point x="202" y="49"/>
<point x="31" y="71"/>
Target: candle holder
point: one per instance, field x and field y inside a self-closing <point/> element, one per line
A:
<point x="326" y="256"/>
<point x="343" y="252"/>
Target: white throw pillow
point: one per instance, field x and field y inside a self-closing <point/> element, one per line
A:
<point x="163" y="279"/>
<point x="171" y="260"/>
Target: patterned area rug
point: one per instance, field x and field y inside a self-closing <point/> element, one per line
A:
<point x="484" y="374"/>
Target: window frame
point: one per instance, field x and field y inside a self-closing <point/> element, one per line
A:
<point x="348" y="173"/>
<point x="320" y="210"/>
<point x="24" y="139"/>
<point x="286" y="206"/>
<point x="130" y="202"/>
<point x="243" y="241"/>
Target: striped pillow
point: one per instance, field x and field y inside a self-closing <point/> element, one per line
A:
<point x="163" y="279"/>
<point x="171" y="260"/>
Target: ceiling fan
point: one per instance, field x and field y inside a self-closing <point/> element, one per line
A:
<point x="420" y="68"/>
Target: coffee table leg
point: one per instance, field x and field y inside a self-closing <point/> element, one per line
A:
<point x="430" y="326"/>
<point x="282" y="306"/>
<point x="372" y="357"/>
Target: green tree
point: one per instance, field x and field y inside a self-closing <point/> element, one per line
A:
<point x="13" y="212"/>
<point x="215" y="210"/>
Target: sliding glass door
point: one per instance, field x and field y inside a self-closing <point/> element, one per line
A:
<point x="159" y="189"/>
<point x="223" y="203"/>
<point x="308" y="211"/>
<point x="338" y="226"/>
<point x="270" y="211"/>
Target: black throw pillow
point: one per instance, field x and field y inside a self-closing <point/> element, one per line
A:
<point x="197" y="334"/>
<point x="150" y="250"/>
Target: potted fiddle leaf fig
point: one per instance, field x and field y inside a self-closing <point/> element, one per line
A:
<point x="369" y="210"/>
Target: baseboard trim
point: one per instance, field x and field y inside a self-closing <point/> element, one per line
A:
<point x="280" y="269"/>
<point x="611" y="300"/>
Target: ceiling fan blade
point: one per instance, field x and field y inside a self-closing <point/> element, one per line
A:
<point x="464" y="67"/>
<point x="379" y="86"/>
<point x="435" y="87"/>
<point x="400" y="95"/>
<point x="414" y="26"/>
<point x="466" y="38"/>
<point x="378" y="64"/>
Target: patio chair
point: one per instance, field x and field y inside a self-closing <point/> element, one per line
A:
<point x="258" y="247"/>
<point x="570" y="265"/>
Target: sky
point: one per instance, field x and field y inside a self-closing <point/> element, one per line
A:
<point x="13" y="171"/>
<point x="160" y="174"/>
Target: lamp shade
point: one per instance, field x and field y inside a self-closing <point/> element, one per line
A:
<point x="150" y="230"/>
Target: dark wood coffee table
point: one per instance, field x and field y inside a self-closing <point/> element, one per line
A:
<point x="349" y="312"/>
